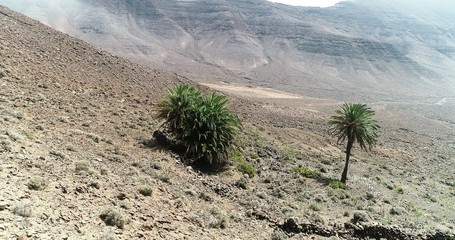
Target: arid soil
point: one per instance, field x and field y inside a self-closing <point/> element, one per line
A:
<point x="76" y="141"/>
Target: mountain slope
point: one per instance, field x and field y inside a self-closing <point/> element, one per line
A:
<point x="383" y="50"/>
<point x="75" y="141"/>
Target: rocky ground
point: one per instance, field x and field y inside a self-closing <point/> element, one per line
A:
<point x="77" y="156"/>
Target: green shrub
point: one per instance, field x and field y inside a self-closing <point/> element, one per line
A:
<point x="247" y="168"/>
<point x="85" y="167"/>
<point x="82" y="166"/>
<point x="220" y="223"/>
<point x="146" y="191"/>
<point x="236" y="156"/>
<point x="429" y="197"/>
<point x="253" y="155"/>
<point x="315" y="207"/>
<point x="242" y="165"/>
<point x="335" y="184"/>
<point x="288" y="152"/>
<point x="112" y="218"/>
<point x="71" y="148"/>
<point x="22" y="209"/>
<point x="306" y="172"/>
<point x="242" y="183"/>
<point x="201" y="123"/>
<point x="37" y="184"/>
<point x="399" y="190"/>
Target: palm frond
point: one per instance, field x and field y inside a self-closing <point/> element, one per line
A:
<point x="355" y="121"/>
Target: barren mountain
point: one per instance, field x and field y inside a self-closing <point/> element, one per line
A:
<point x="381" y="50"/>
<point x="76" y="146"/>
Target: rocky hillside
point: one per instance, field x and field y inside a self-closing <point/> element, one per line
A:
<point x="386" y="50"/>
<point x="77" y="160"/>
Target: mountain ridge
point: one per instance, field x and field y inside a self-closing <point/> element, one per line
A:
<point x="361" y="46"/>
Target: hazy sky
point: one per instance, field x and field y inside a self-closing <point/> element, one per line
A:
<point x="310" y="3"/>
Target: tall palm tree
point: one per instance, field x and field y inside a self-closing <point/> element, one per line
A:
<point x="354" y="122"/>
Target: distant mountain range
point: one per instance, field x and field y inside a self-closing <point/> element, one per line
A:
<point x="357" y="50"/>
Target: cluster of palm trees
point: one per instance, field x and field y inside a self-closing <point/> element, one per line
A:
<point x="207" y="128"/>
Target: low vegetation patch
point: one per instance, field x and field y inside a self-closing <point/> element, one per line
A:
<point x="58" y="154"/>
<point x="146" y="191"/>
<point x="220" y="223"/>
<point x="243" y="166"/>
<point x="112" y="218"/>
<point x="71" y="148"/>
<point x="242" y="183"/>
<point x="23" y="210"/>
<point x="246" y="168"/>
<point x="288" y="153"/>
<point x="314" y="207"/>
<point x="336" y="184"/>
<point x="37" y="184"/>
<point x="253" y="155"/>
<point x="84" y="167"/>
<point x="306" y="172"/>
<point x="399" y="190"/>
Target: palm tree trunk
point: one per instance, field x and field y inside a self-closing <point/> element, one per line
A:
<point x="344" y="175"/>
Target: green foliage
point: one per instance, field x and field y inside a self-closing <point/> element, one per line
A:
<point x="242" y="165"/>
<point x="112" y="218"/>
<point x="23" y="210"/>
<point x="71" y="148"/>
<point x="430" y="197"/>
<point x="399" y="190"/>
<point x="83" y="166"/>
<point x="222" y="223"/>
<point x="236" y="156"/>
<point x="314" y="207"/>
<point x="176" y="106"/>
<point x="146" y="191"/>
<point x="288" y="152"/>
<point x="253" y="155"/>
<point x="335" y="184"/>
<point x="201" y="123"/>
<point x="354" y="121"/>
<point x="247" y="168"/>
<point x="306" y="172"/>
<point x="37" y="184"/>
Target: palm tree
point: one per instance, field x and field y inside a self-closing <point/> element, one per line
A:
<point x="354" y="122"/>
<point x="201" y="123"/>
